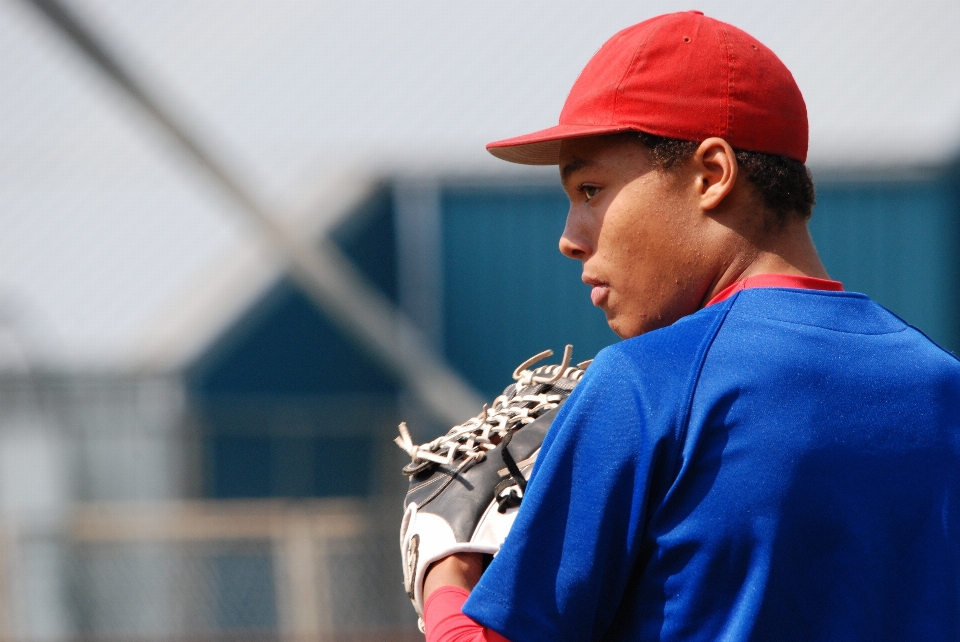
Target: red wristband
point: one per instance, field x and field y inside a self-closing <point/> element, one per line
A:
<point x="444" y="620"/>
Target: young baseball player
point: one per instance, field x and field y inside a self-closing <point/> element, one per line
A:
<point x="764" y="456"/>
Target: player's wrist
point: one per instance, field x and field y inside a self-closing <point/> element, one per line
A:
<point x="462" y="570"/>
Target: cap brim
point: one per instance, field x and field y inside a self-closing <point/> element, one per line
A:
<point x="543" y="147"/>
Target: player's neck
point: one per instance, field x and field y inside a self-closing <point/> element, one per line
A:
<point x="789" y="250"/>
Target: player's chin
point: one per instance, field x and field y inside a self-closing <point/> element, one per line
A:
<point x="623" y="326"/>
<point x="627" y="326"/>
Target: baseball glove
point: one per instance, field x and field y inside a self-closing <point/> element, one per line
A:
<point x="466" y="486"/>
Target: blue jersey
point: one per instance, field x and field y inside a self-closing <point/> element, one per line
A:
<point x="784" y="465"/>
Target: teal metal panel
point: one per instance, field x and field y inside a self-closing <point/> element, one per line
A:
<point x="508" y="292"/>
<point x="897" y="242"/>
<point x="267" y="393"/>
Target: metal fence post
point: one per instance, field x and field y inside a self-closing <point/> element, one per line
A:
<point x="297" y="562"/>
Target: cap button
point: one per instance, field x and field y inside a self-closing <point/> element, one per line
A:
<point x="699" y="13"/>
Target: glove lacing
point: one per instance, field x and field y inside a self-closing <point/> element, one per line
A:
<point x="533" y="394"/>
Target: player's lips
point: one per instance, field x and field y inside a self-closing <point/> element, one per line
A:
<point x="599" y="292"/>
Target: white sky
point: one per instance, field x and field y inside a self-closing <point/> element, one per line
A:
<point x="104" y="224"/>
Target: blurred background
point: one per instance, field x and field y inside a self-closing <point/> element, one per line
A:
<point x="241" y="240"/>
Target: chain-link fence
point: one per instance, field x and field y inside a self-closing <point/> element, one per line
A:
<point x="271" y="570"/>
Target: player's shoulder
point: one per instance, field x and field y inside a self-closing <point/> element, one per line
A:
<point x="679" y="342"/>
<point x="663" y="359"/>
<point x="641" y="386"/>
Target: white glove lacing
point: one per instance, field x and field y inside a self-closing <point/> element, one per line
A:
<point x="516" y="407"/>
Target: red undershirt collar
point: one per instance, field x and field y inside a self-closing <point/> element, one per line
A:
<point x="777" y="281"/>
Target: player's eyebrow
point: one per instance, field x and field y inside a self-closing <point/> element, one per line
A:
<point x="574" y="165"/>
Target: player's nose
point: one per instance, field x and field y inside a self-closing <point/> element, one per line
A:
<point x="574" y="243"/>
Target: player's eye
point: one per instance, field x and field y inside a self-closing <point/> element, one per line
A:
<point x="589" y="191"/>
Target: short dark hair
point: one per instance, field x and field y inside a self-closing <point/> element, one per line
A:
<point x="784" y="184"/>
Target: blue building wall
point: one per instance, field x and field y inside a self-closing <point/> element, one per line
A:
<point x="288" y="406"/>
<point x="508" y="292"/>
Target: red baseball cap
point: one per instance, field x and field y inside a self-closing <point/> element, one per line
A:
<point x="680" y="75"/>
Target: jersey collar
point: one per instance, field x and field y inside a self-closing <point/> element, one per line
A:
<point x="777" y="281"/>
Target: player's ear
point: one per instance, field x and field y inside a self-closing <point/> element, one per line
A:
<point x="716" y="169"/>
